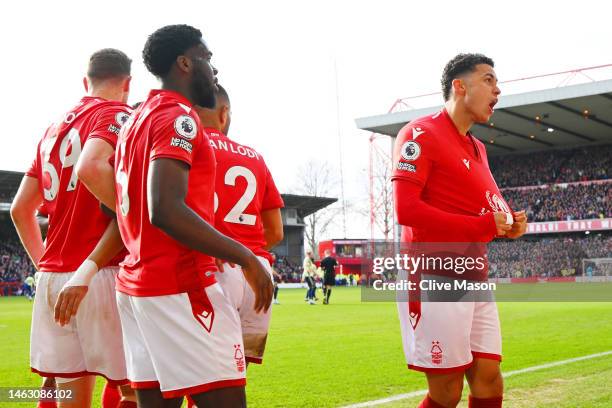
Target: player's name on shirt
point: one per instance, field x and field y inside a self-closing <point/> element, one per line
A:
<point x="229" y="146"/>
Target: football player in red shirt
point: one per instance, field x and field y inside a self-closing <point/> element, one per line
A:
<point x="247" y="209"/>
<point x="182" y="335"/>
<point x="92" y="343"/>
<point x="445" y="192"/>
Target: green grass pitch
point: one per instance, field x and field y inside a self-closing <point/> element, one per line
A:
<point x="349" y="352"/>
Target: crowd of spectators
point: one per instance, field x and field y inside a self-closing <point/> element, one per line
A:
<point x="289" y="271"/>
<point x="556" y="166"/>
<point x="544" y="258"/>
<point x="563" y="202"/>
<point x="15" y="265"/>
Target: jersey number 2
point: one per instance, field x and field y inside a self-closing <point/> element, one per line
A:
<point x="236" y="215"/>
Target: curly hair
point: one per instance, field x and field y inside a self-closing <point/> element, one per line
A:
<point x="108" y="63"/>
<point x="166" y="44"/>
<point x="459" y="65"/>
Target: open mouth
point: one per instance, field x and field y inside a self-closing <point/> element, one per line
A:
<point x="492" y="105"/>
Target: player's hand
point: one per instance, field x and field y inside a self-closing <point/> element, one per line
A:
<point x="260" y="281"/>
<point x="519" y="227"/>
<point x="68" y="303"/>
<point x="220" y="262"/>
<point x="501" y="223"/>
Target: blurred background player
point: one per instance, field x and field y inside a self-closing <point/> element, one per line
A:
<point x="328" y="264"/>
<point x="444" y="190"/>
<point x="167" y="293"/>
<point x="278" y="278"/>
<point x="29" y="286"/>
<point x="308" y="276"/>
<point x="92" y="343"/>
<point x="247" y="209"/>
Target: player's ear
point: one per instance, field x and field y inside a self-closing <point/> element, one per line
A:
<point x="224" y="115"/>
<point x="126" y="84"/>
<point x="458" y="86"/>
<point x="86" y="84"/>
<point x="184" y="63"/>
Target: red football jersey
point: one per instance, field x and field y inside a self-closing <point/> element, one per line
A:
<point x="453" y="170"/>
<point x="164" y="126"/>
<point x="76" y="222"/>
<point x="244" y="188"/>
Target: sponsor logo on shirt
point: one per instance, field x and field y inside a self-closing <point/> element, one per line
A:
<point x="436" y="352"/>
<point x="114" y="129"/>
<point x="416" y="132"/>
<point x="414" y="319"/>
<point x="467" y="163"/>
<point x="185" y="127"/>
<point x="182" y="143"/>
<point x="411" y="150"/>
<point x="205" y="318"/>
<point x="406" y="167"/>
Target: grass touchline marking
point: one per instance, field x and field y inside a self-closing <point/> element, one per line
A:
<point x="505" y="375"/>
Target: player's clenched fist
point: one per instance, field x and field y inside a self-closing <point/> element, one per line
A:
<point x="260" y="281"/>
<point x="503" y="222"/>
<point x="519" y="227"/>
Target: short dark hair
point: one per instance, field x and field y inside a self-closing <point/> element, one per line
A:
<point x="459" y="65"/>
<point x="166" y="44"/>
<point x="108" y="63"/>
<point x="222" y="93"/>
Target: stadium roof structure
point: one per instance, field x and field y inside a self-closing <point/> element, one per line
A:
<point x="556" y="118"/>
<point x="306" y="205"/>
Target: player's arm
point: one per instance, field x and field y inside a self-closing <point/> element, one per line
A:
<point x="95" y="171"/>
<point x="74" y="291"/>
<point x="273" y="227"/>
<point x="23" y="213"/>
<point x="166" y="190"/>
<point x="412" y="211"/>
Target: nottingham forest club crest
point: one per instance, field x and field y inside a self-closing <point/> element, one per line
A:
<point x="411" y="150"/>
<point x="436" y="352"/>
<point x="185" y="127"/>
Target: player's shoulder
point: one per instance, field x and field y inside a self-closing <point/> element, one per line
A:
<point x="423" y="128"/>
<point x="166" y="111"/>
<point x="114" y="111"/>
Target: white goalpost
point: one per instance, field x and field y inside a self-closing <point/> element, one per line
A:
<point x="596" y="267"/>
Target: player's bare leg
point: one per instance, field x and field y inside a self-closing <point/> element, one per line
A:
<point x="127" y="394"/>
<point x="445" y="389"/>
<point x="231" y="397"/>
<point x="485" y="379"/>
<point x="81" y="390"/>
<point x="48" y="384"/>
<point x="152" y="398"/>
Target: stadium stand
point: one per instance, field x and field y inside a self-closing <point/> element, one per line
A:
<point x="546" y="257"/>
<point x="14" y="263"/>
<point x="562" y="202"/>
<point x="557" y="166"/>
<point x="289" y="272"/>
